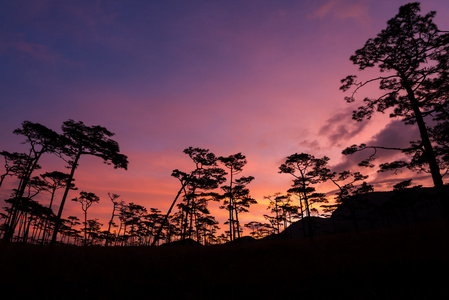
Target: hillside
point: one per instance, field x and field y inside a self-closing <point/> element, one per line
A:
<point x="399" y="251"/>
<point x="405" y="262"/>
<point x="372" y="211"/>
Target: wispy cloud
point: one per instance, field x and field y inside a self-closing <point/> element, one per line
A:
<point x="340" y="128"/>
<point x="343" y="10"/>
<point x="394" y="135"/>
<point x="36" y="51"/>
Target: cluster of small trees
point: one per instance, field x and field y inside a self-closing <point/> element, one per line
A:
<point x="207" y="182"/>
<point x="283" y="211"/>
<point x="75" y="141"/>
<point x="412" y="55"/>
<point x="26" y="220"/>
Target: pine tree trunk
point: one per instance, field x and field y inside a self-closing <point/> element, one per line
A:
<point x="85" y="227"/>
<point x="428" y="151"/>
<point x="309" y="220"/>
<point x="64" y="197"/>
<point x="231" y="215"/>
<point x="10" y="224"/>
<point x="156" y="238"/>
<point x="237" y="223"/>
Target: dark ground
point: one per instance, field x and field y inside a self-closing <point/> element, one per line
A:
<point x="401" y="263"/>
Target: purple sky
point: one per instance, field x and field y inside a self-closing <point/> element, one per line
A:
<point x="258" y="77"/>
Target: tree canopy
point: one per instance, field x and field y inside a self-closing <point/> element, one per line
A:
<point x="412" y="56"/>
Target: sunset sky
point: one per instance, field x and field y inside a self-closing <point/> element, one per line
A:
<point x="259" y="77"/>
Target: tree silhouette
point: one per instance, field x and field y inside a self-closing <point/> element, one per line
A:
<point x="440" y="136"/>
<point x="259" y="229"/>
<point x="412" y="55"/>
<point x="139" y="223"/>
<point x="172" y="226"/>
<point x="208" y="226"/>
<point x="152" y="220"/>
<point x="86" y="199"/>
<point x="205" y="176"/>
<point x="54" y="180"/>
<point x="93" y="227"/>
<point x="115" y="203"/>
<point x="345" y="182"/>
<point x="284" y="212"/>
<point x="69" y="234"/>
<point x="197" y="192"/>
<point x="122" y="215"/>
<point x="31" y="209"/>
<point x="80" y="140"/>
<point x="253" y="225"/>
<point x="196" y="212"/>
<point x="131" y="217"/>
<point x="347" y="190"/>
<point x="15" y="164"/>
<point x="306" y="170"/>
<point x="236" y="196"/>
<point x="242" y="199"/>
<point x="136" y="214"/>
<point x="274" y="206"/>
<point x="41" y="140"/>
<point x="30" y="216"/>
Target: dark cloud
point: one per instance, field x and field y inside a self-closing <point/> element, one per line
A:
<point x="394" y="135"/>
<point x="341" y="127"/>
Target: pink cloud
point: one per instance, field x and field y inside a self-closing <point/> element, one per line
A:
<point x="343" y="10"/>
<point x="36" y="51"/>
<point x="25" y="49"/>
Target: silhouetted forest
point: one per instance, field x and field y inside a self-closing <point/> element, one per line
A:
<point x="400" y="263"/>
<point x="370" y="245"/>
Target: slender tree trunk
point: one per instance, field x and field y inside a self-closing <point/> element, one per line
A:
<point x="429" y="152"/>
<point x="156" y="238"/>
<point x="20" y="224"/>
<point x="46" y="217"/>
<point x="284" y="218"/>
<point x="198" y="225"/>
<point x="277" y="214"/>
<point x="124" y="238"/>
<point x="187" y="209"/>
<point x="2" y="177"/>
<point x="64" y="197"/>
<point x="191" y="214"/>
<point x="10" y="227"/>
<point x="302" y="217"/>
<point x="85" y="227"/>
<point x="27" y="229"/>
<point x="237" y="222"/>
<point x="117" y="237"/>
<point x="231" y="214"/>
<point x="188" y="215"/>
<point x="110" y="224"/>
<point x="309" y="219"/>
<point x="38" y="231"/>
<point x="231" y="220"/>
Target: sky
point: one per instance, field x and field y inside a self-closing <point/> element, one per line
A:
<point x="258" y="77"/>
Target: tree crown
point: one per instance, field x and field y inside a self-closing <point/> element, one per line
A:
<point x="414" y="53"/>
<point x="92" y="140"/>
